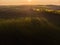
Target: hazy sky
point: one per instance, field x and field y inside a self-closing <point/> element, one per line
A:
<point x="29" y="2"/>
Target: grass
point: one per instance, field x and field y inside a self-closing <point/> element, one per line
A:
<point x="29" y="31"/>
<point x="34" y="26"/>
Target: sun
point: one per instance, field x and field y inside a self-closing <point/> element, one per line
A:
<point x="29" y="0"/>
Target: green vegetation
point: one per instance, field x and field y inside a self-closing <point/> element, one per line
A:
<point x="36" y="25"/>
<point x="28" y="29"/>
<point x="53" y="11"/>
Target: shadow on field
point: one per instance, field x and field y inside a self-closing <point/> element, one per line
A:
<point x="28" y="31"/>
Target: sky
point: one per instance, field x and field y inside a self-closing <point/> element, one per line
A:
<point x="29" y="2"/>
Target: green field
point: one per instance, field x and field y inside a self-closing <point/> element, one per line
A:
<point x="29" y="25"/>
<point x="30" y="30"/>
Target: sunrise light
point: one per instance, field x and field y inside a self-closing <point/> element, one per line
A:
<point x="29" y="2"/>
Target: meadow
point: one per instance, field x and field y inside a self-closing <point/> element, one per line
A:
<point x="34" y="28"/>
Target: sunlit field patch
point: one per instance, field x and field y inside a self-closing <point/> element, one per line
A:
<point x="49" y="10"/>
<point x="28" y="20"/>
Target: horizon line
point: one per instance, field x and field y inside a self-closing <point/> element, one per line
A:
<point x="33" y="4"/>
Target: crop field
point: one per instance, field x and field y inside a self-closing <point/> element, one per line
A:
<point x="29" y="25"/>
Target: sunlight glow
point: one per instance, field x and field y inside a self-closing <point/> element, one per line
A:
<point x="29" y="0"/>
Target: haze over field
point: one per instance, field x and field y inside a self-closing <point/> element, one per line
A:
<point x="29" y="2"/>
